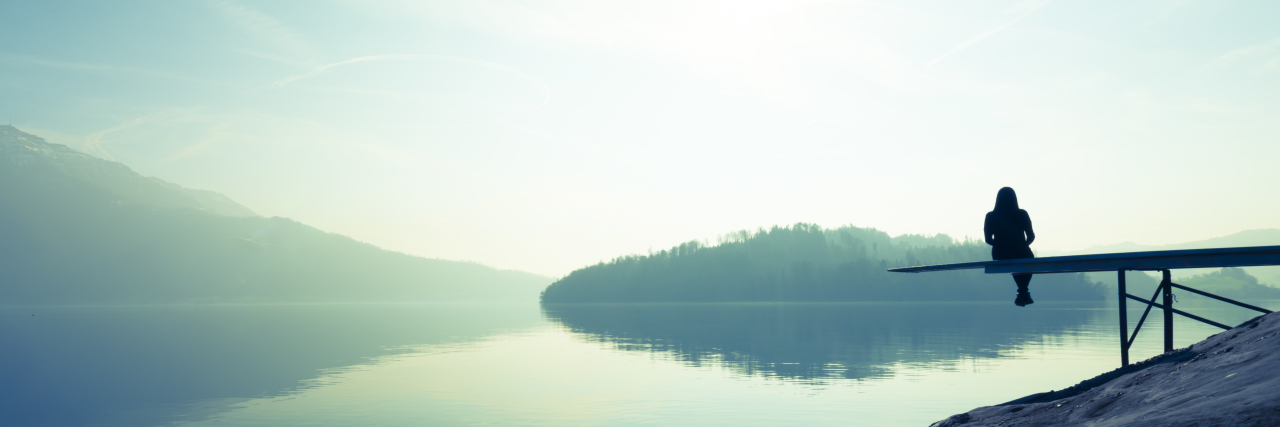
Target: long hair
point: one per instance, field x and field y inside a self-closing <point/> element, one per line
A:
<point x="1006" y="200"/>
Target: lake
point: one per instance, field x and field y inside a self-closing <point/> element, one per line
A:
<point x="526" y="364"/>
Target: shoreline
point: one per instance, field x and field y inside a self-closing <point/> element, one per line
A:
<point x="1226" y="379"/>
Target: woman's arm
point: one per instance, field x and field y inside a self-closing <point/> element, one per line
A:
<point x="986" y="231"/>
<point x="1031" y="235"/>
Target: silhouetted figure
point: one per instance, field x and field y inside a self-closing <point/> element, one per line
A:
<point x="1008" y="231"/>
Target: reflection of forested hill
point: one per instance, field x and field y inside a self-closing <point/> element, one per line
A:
<point x="78" y="229"/>
<point x="806" y="263"/>
<point x="816" y="340"/>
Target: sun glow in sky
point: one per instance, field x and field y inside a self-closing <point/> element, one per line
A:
<point x="545" y="135"/>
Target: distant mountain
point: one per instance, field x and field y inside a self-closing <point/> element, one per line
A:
<point x="27" y="158"/>
<point x="78" y="229"/>
<point x="1260" y="237"/>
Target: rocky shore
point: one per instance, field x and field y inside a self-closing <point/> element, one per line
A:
<point x="1229" y="379"/>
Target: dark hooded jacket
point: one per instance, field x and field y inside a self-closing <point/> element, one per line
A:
<point x="1008" y="229"/>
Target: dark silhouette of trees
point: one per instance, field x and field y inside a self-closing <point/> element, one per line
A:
<point x="1230" y="282"/>
<point x="803" y="262"/>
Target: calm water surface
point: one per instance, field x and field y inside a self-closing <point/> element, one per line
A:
<point x="525" y="364"/>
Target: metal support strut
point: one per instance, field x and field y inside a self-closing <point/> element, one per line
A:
<point x="1124" y="322"/>
<point x="1166" y="284"/>
<point x="1165" y="290"/>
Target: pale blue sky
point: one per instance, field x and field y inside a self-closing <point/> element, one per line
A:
<point x="547" y="135"/>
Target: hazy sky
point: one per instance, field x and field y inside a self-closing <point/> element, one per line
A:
<point x="547" y="135"/>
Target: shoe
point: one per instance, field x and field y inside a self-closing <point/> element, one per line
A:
<point x="1024" y="299"/>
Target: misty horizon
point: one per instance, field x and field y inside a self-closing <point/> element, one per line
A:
<point x="1261" y="237"/>
<point x="660" y="212"/>
<point x="543" y="137"/>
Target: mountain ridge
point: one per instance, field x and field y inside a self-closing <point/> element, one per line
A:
<point x="1254" y="237"/>
<point x="22" y="151"/>
<point x="76" y="229"/>
<point x="1268" y="276"/>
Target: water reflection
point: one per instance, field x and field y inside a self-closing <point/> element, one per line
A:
<point x="521" y="364"/>
<point x="161" y="364"/>
<point x="813" y="342"/>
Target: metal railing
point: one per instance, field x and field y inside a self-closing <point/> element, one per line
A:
<point x="1165" y="289"/>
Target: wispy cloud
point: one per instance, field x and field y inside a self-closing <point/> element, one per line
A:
<point x="1268" y="52"/>
<point x="216" y="135"/>
<point x="635" y="162"/>
<point x="546" y="90"/>
<point x="269" y="32"/>
<point x="1021" y="11"/>
<point x="93" y="143"/>
<point x="98" y="67"/>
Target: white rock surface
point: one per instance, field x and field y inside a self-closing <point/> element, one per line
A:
<point x="1229" y="379"/>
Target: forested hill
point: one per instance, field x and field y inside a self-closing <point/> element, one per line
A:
<point x="805" y="262"/>
<point x="75" y="229"/>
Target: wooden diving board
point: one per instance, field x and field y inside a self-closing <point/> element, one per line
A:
<point x="1249" y="256"/>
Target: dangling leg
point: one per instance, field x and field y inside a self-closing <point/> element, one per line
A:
<point x="1024" y="295"/>
<point x="1023" y="280"/>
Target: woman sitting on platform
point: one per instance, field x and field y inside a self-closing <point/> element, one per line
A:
<point x="1008" y="231"/>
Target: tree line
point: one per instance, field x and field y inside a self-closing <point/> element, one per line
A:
<point x="805" y="262"/>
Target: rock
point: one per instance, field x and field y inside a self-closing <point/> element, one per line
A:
<point x="952" y="421"/>
<point x="1229" y="379"/>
